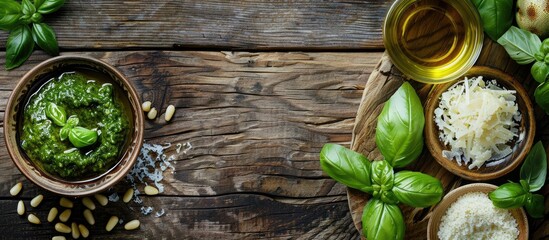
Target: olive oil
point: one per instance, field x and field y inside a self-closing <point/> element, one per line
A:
<point x="433" y="41"/>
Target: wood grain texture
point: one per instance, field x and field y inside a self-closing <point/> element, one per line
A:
<point x="382" y="83"/>
<point x="219" y="24"/>
<point x="256" y="123"/>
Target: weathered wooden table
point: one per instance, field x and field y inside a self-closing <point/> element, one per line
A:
<point x="258" y="88"/>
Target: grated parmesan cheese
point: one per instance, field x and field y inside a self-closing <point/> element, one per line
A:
<point x="473" y="216"/>
<point x="477" y="119"/>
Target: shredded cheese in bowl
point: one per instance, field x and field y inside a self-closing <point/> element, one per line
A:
<point x="477" y="119"/>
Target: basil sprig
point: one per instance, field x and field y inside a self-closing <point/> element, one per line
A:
<point x="525" y="47"/>
<point x="23" y="21"/>
<point x="78" y="136"/>
<point x="382" y="218"/>
<point x="533" y="174"/>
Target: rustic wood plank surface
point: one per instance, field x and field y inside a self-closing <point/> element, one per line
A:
<point x="383" y="82"/>
<point x="219" y="24"/>
<point x="255" y="121"/>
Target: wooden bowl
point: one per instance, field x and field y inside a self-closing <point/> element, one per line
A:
<point x="452" y="196"/>
<point x="35" y="78"/>
<point x="520" y="147"/>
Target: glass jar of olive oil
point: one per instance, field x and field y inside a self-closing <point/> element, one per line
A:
<point x="433" y="41"/>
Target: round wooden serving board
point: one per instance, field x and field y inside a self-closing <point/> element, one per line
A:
<point x="381" y="84"/>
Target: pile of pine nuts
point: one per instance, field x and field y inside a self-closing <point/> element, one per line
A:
<point x="152" y="112"/>
<point x="76" y="229"/>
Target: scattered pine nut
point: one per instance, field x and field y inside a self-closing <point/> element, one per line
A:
<point x="169" y="113"/>
<point x="65" y="215"/>
<point x="62" y="228"/>
<point x="131" y="225"/>
<point x="33" y="219"/>
<point x="101" y="199"/>
<point x="89" y="217"/>
<point x="83" y="230"/>
<point x="52" y="214"/>
<point x="16" y="189"/>
<point x="128" y="195"/>
<point x="37" y="200"/>
<point x="150" y="190"/>
<point x="75" y="231"/>
<point x="111" y="223"/>
<point x="58" y="238"/>
<point x="88" y="203"/>
<point x="20" y="208"/>
<point x="66" y="203"/>
<point x="146" y="106"/>
<point x="152" y="113"/>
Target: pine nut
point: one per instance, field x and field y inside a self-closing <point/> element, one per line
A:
<point x="152" y="113"/>
<point x="52" y="214"/>
<point x="33" y="219"/>
<point x="58" y="238"/>
<point x="111" y="223"/>
<point x="169" y="113"/>
<point x="20" y="208"/>
<point x="16" y="189"/>
<point x="146" y="106"/>
<point x="101" y="199"/>
<point x="128" y="195"/>
<point x="150" y="190"/>
<point x="65" y="215"/>
<point x="88" y="203"/>
<point x="131" y="225"/>
<point x="62" y="228"/>
<point x="89" y="217"/>
<point x="83" y="230"/>
<point x="66" y="203"/>
<point x="75" y="231"/>
<point x="37" y="200"/>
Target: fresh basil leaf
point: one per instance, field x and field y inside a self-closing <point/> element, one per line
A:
<point x="28" y="8"/>
<point x="73" y="121"/>
<point x="509" y="195"/>
<point x="382" y="174"/>
<point x="49" y="6"/>
<point x="382" y="221"/>
<point x="44" y="37"/>
<point x="521" y="45"/>
<point x="346" y="166"/>
<point x="56" y="113"/>
<point x="19" y="46"/>
<point x="64" y="132"/>
<point x="540" y="71"/>
<point x="399" y="132"/>
<point x="496" y="15"/>
<point x="10" y="12"/>
<point x="82" y="137"/>
<point x="417" y="189"/>
<point x="535" y="205"/>
<point x="545" y="46"/>
<point x="541" y="95"/>
<point x="534" y="168"/>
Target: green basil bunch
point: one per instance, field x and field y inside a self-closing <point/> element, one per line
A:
<point x="78" y="136"/>
<point x="23" y="21"/>
<point x="532" y="178"/>
<point x="382" y="218"/>
<point x="525" y="47"/>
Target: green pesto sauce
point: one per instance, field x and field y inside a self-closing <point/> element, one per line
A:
<point x="95" y="106"/>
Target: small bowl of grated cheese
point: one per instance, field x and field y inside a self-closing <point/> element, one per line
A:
<point x="467" y="213"/>
<point x="480" y="126"/>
